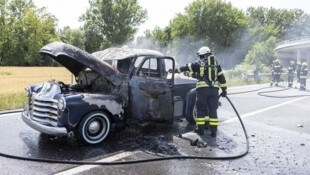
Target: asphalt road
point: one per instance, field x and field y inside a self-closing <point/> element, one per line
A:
<point x="278" y="131"/>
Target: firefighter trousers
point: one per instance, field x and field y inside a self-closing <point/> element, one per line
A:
<point x="207" y="104"/>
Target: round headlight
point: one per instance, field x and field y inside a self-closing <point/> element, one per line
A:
<point x="61" y="104"/>
<point x="27" y="92"/>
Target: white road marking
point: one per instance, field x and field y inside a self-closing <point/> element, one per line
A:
<point x="9" y="114"/>
<point x="82" y="168"/>
<point x="263" y="110"/>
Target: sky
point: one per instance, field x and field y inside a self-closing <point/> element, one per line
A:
<point x="159" y="12"/>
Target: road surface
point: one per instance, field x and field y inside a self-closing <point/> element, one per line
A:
<point x="278" y="131"/>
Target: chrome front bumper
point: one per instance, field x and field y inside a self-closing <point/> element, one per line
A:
<point x="50" y="130"/>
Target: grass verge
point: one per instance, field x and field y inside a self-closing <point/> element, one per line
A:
<point x="13" y="81"/>
<point x="12" y="101"/>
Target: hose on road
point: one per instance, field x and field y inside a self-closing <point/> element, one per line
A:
<point x="142" y="160"/>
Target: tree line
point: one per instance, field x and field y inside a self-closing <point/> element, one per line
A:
<point x="237" y="37"/>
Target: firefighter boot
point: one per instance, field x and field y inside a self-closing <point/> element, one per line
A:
<point x="213" y="131"/>
<point x="200" y="130"/>
<point x="271" y="84"/>
<point x="206" y="127"/>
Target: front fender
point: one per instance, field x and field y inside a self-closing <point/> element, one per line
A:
<point x="79" y="105"/>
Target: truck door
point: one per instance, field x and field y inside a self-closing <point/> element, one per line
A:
<point x="151" y="89"/>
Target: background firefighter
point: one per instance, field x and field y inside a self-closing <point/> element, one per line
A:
<point x="303" y="76"/>
<point x="298" y="68"/>
<point x="276" y="72"/>
<point x="210" y="78"/>
<point x="290" y="73"/>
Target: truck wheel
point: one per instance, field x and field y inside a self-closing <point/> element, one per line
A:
<point x="94" y="128"/>
<point x="191" y="117"/>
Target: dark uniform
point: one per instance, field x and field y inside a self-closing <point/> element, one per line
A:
<point x="207" y="91"/>
<point x="255" y="73"/>
<point x="298" y="68"/>
<point x="290" y="73"/>
<point x="303" y="76"/>
<point x="276" y="72"/>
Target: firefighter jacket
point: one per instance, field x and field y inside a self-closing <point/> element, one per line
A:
<point x="303" y="72"/>
<point x="291" y="69"/>
<point x="276" y="69"/>
<point x="198" y="70"/>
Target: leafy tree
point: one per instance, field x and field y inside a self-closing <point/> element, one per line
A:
<point x="73" y="36"/>
<point x="39" y="30"/>
<point x="300" y="28"/>
<point x="207" y="22"/>
<point x="282" y="19"/>
<point x="24" y="30"/>
<point x="163" y="36"/>
<point x="215" y="20"/>
<point x="111" y="22"/>
<point x="266" y="27"/>
<point x="4" y="31"/>
<point x="262" y="52"/>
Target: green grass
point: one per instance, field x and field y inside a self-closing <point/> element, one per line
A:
<point x="12" y="101"/>
<point x="241" y="82"/>
<point x="5" y="73"/>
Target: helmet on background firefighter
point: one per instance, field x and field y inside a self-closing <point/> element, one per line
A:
<point x="304" y="64"/>
<point x="204" y="52"/>
<point x="276" y="61"/>
<point x="292" y="63"/>
<point x="298" y="63"/>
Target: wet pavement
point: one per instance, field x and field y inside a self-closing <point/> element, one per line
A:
<point x="278" y="131"/>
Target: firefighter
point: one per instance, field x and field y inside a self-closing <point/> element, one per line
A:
<point x="276" y="72"/>
<point x="290" y="73"/>
<point x="303" y="76"/>
<point x="298" y="68"/>
<point x="256" y="73"/>
<point x="210" y="78"/>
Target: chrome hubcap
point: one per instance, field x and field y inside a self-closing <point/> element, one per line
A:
<point x="94" y="127"/>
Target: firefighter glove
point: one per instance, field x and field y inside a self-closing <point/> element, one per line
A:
<point x="177" y="70"/>
<point x="224" y="92"/>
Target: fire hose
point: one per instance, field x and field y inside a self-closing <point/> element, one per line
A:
<point x="142" y="160"/>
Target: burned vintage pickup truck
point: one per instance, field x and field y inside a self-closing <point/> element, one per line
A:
<point x="111" y="87"/>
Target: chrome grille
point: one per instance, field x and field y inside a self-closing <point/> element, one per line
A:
<point x="44" y="111"/>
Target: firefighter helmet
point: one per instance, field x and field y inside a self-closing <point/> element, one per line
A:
<point x="203" y="50"/>
<point x="292" y="62"/>
<point x="304" y="64"/>
<point x="298" y="63"/>
<point x="276" y="61"/>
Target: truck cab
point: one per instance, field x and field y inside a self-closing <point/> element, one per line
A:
<point x="111" y="87"/>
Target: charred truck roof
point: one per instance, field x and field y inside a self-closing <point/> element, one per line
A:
<point x="123" y="53"/>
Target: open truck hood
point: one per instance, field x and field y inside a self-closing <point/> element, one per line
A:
<point x="76" y="60"/>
